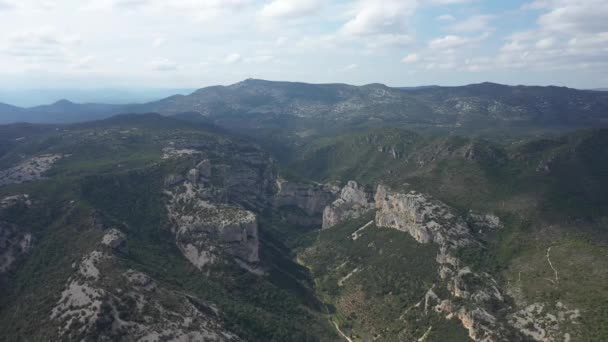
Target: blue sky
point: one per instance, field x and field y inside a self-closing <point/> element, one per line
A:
<point x="194" y="43"/>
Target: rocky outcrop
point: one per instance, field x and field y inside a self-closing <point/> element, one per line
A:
<point x="542" y="322"/>
<point x="474" y="297"/>
<point x="309" y="198"/>
<point x="243" y="178"/>
<point x="116" y="240"/>
<point x="424" y="219"/>
<point x="103" y="302"/>
<point x="204" y="231"/>
<point x="354" y="201"/>
<point x="29" y="170"/>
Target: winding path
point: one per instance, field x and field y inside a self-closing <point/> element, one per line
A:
<point x="551" y="264"/>
<point x="341" y="333"/>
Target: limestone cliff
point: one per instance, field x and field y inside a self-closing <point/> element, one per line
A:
<point x="311" y="199"/>
<point x="354" y="200"/>
<point x="474" y="298"/>
<point x="205" y="230"/>
<point x="103" y="301"/>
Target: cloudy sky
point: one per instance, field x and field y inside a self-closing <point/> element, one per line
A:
<point x="195" y="43"/>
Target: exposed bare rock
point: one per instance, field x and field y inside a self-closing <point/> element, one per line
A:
<point x="475" y="298"/>
<point x="426" y="220"/>
<point x="542" y="322"/>
<point x="310" y="198"/>
<point x="116" y="240"/>
<point x="29" y="170"/>
<point x="353" y="202"/>
<point x="484" y="222"/>
<point x="106" y="307"/>
<point x="205" y="230"/>
<point x="172" y="152"/>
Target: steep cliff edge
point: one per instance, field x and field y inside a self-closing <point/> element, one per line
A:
<point x="311" y="199"/>
<point x="204" y="230"/>
<point x="104" y="301"/>
<point x="473" y="297"/>
<point x="354" y="201"/>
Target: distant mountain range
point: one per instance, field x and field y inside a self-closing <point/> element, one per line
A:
<point x="246" y="104"/>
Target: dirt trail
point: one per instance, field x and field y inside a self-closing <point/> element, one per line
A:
<point x="340" y="332"/>
<point x="551" y="264"/>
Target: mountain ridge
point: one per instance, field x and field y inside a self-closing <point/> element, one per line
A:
<point x="251" y="100"/>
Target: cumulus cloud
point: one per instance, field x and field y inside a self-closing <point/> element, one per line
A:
<point x="388" y="40"/>
<point x="233" y="58"/>
<point x="545" y="43"/>
<point x="476" y="23"/>
<point x="379" y="16"/>
<point x="43" y="44"/>
<point x="450" y="2"/>
<point x="448" y="42"/>
<point x="586" y="16"/>
<point x="445" y="17"/>
<point x="411" y="58"/>
<point x="281" y="9"/>
<point x="349" y="67"/>
<point x="5" y="5"/>
<point x="159" y="41"/>
<point x="84" y="62"/>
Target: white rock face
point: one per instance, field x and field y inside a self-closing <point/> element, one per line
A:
<point x="310" y="198"/>
<point x="172" y="152"/>
<point x="129" y="304"/>
<point x="485" y="222"/>
<point x="424" y="219"/>
<point x="203" y="230"/>
<point x="116" y="240"/>
<point x="431" y="221"/>
<point x="29" y="170"/>
<point x="353" y="202"/>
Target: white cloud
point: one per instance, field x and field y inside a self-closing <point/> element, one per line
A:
<point x="233" y="58"/>
<point x="411" y="58"/>
<point x="379" y="16"/>
<point x="84" y="62"/>
<point x="159" y="41"/>
<point x="476" y="23"/>
<point x="281" y="41"/>
<point x="450" y="2"/>
<point x="163" y="65"/>
<point x="281" y="9"/>
<point x="6" y="5"/>
<point x="388" y="40"/>
<point x="448" y="42"/>
<point x="43" y="44"/>
<point x="445" y="17"/>
<point x="545" y="43"/>
<point x="349" y="67"/>
<point x="583" y="16"/>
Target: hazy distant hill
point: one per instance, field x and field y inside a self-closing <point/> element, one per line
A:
<point x="255" y="103"/>
<point x="485" y="103"/>
<point x="62" y="111"/>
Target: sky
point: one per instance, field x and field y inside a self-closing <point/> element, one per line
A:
<point x="89" y="44"/>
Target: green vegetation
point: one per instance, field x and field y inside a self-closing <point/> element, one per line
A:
<point x="548" y="192"/>
<point x="373" y="284"/>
